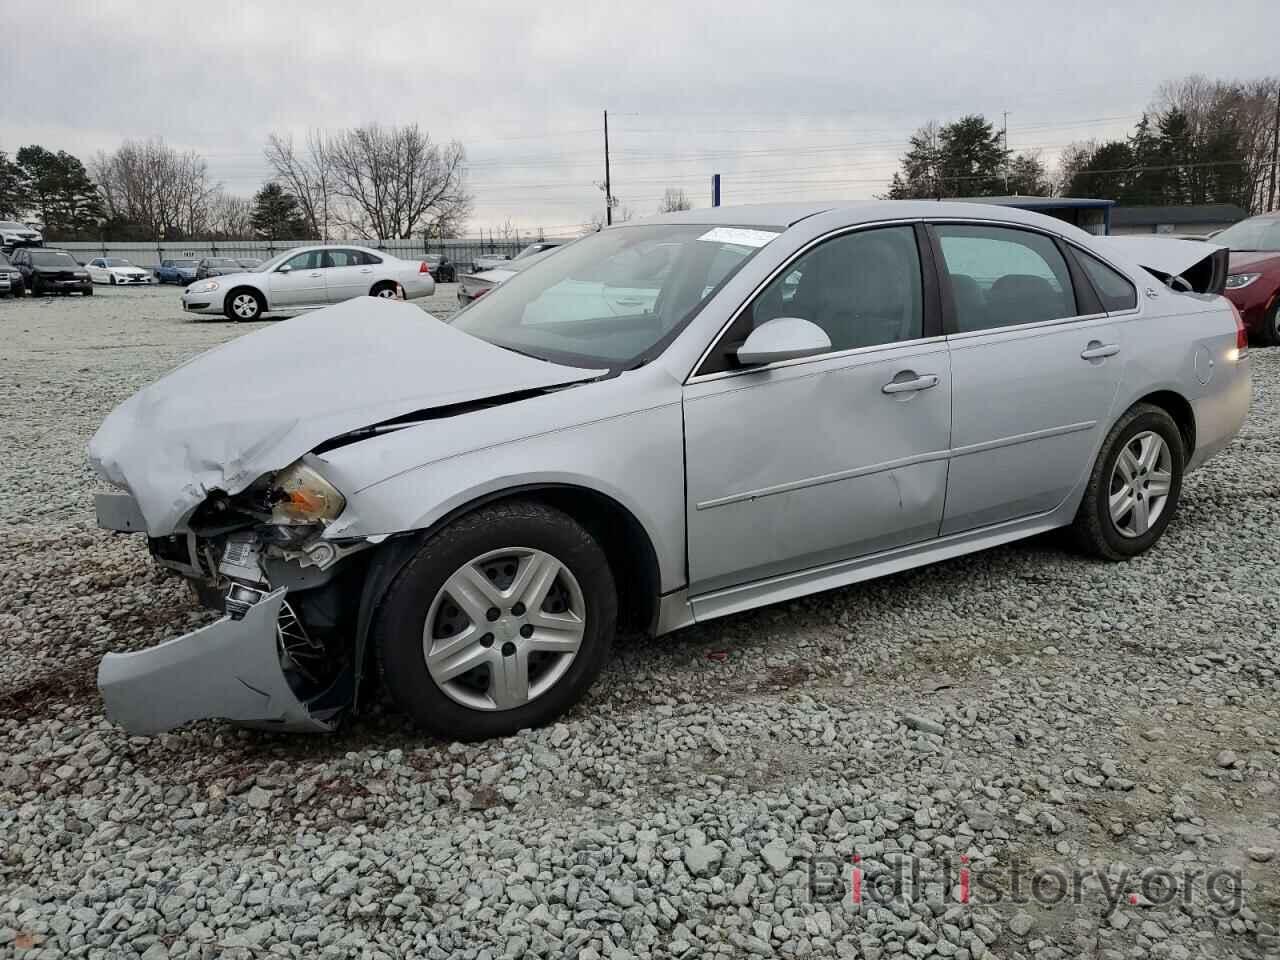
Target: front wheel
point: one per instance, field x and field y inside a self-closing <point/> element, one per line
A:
<point x="243" y="305"/>
<point x="1134" y="487"/>
<point x="1270" y="335"/>
<point x="500" y="622"/>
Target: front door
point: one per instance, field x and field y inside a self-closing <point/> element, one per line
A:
<point x="805" y="462"/>
<point x="1035" y="367"/>
<point x="302" y="284"/>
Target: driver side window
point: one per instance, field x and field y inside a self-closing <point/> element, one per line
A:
<point x="863" y="289"/>
<point x="310" y="260"/>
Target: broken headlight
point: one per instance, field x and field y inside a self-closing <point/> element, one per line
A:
<point x="298" y="494"/>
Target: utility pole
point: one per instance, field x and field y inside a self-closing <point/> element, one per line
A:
<point x="608" y="187"/>
<point x="1006" y="151"/>
<point x="1275" y="152"/>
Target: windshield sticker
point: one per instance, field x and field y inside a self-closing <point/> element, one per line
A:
<point x="744" y="238"/>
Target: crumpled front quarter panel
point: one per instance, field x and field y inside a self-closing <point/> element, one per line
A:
<point x="621" y="437"/>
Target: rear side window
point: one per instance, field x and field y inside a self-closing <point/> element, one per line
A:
<point x="1114" y="289"/>
<point x="1002" y="277"/>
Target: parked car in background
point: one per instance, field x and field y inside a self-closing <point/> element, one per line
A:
<point x="217" y="267"/>
<point x="308" y="278"/>
<point x="116" y="270"/>
<point x="1253" y="281"/>
<point x="11" y="283"/>
<point x="442" y="268"/>
<point x="249" y="263"/>
<point x="176" y="271"/>
<point x="46" y="271"/>
<point x="473" y="286"/>
<point x="495" y="262"/>
<point x="14" y="235"/>
<point x="811" y="397"/>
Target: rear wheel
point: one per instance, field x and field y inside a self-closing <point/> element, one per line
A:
<point x="1134" y="488"/>
<point x="501" y="622"/>
<point x="385" y="290"/>
<point x="243" y="305"/>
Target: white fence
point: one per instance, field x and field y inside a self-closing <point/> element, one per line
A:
<point x="461" y="252"/>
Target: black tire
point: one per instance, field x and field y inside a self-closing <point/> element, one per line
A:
<point x="398" y="631"/>
<point x="37" y="286"/>
<point x="1094" y="530"/>
<point x="229" y="309"/>
<point x="1269" y="336"/>
<point x="111" y="279"/>
<point x="87" y="291"/>
<point x="386" y="289"/>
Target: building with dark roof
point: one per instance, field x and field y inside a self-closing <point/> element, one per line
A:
<point x="1193" y="220"/>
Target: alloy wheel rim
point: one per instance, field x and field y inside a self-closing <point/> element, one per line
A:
<point x="387" y="293"/>
<point x="244" y="305"/>
<point x="504" y="628"/>
<point x="1141" y="481"/>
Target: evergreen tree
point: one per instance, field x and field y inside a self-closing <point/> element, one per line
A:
<point x="277" y="215"/>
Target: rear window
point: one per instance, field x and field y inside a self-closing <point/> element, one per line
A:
<point x="1114" y="289"/>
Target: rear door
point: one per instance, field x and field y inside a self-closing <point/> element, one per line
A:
<point x="348" y="274"/>
<point x="302" y="284"/>
<point x="1035" y="363"/>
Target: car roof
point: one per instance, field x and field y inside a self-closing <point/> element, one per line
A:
<point x="785" y="215"/>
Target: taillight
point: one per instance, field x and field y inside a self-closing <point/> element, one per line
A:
<point x="423" y="268"/>
<point x="1242" y="335"/>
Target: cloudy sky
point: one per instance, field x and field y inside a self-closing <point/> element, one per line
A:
<point x="786" y="100"/>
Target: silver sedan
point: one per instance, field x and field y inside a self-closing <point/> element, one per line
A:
<point x="663" y="423"/>
<point x="309" y="278"/>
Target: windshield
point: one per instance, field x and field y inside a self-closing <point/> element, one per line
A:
<point x="117" y="262"/>
<point x="1260" y="233"/>
<point x="50" y="258"/>
<point x="11" y="225"/>
<point x="221" y="262"/>
<point x="611" y="298"/>
<point x="184" y="263"/>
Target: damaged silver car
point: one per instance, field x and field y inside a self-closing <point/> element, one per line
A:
<point x="664" y="423"/>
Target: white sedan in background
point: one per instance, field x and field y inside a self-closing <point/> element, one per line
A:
<point x="116" y="270"/>
<point x="308" y="278"/>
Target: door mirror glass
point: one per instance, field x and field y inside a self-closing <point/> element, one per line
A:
<point x="286" y="269"/>
<point x="783" y="338"/>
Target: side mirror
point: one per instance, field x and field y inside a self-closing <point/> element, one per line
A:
<point x="285" y="269"/>
<point x="783" y="338"/>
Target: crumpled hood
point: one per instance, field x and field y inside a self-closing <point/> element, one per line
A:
<point x="256" y="404"/>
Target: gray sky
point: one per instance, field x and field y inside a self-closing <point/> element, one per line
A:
<point x="786" y="100"/>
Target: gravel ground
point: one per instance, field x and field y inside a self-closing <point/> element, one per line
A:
<point x="1023" y="713"/>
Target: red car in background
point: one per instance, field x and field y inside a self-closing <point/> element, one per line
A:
<point x="1253" y="279"/>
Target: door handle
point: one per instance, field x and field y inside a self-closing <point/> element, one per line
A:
<point x="629" y="301"/>
<point x="317" y="274"/>
<point x="1096" y="350"/>
<point x="366" y="269"/>
<point x="910" y="386"/>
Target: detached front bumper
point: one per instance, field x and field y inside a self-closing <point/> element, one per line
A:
<point x="233" y="669"/>
<point x="229" y="670"/>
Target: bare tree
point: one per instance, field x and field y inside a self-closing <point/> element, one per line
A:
<point x="154" y="186"/>
<point x="674" y="200"/>
<point x="307" y="175"/>
<point x="394" y="181"/>
<point x="230" y="217"/>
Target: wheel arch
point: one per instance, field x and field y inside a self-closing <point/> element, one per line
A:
<point x="624" y="539"/>
<point x="261" y="295"/>
<point x="1179" y="408"/>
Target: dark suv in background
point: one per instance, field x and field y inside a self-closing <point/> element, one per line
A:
<point x="45" y="271"/>
<point x="217" y="267"/>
